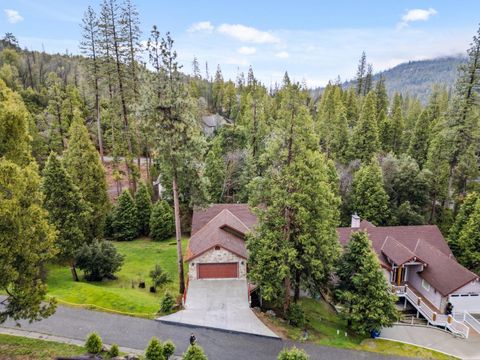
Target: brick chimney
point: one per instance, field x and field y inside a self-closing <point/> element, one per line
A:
<point x="355" y="221"/>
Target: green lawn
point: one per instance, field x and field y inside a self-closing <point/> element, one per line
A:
<point x="14" y="347"/>
<point x="323" y="324"/>
<point x="141" y="255"/>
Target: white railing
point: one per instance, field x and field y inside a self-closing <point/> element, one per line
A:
<point x="455" y="326"/>
<point x="469" y="319"/>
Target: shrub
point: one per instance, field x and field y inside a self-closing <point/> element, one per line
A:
<point x="168" y="349"/>
<point x="108" y="229"/>
<point x="167" y="303"/>
<point x="194" y="352"/>
<point x="293" y="354"/>
<point x="125" y="218"/>
<point x="154" y="350"/>
<point x="94" y="343"/>
<point x="295" y="315"/>
<point x="114" y="351"/>
<point x="143" y="204"/>
<point x="162" y="224"/>
<point x="99" y="260"/>
<point x="159" y="277"/>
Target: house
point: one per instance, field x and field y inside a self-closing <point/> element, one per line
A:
<point x="418" y="256"/>
<point x="416" y="260"/>
<point x="217" y="247"/>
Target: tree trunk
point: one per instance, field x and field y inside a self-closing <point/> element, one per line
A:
<point x="99" y="126"/>
<point x="286" y="300"/>
<point x="296" y="295"/>
<point x="74" y="271"/>
<point x="178" y="232"/>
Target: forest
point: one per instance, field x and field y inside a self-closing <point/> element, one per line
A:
<point x="309" y="162"/>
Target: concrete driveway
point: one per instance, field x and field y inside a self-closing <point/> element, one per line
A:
<point x="219" y="304"/>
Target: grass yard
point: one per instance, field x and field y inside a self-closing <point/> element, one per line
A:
<point x="323" y="324"/>
<point x="141" y="255"/>
<point x="14" y="347"/>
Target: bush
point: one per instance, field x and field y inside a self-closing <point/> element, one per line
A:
<point x="194" y="352"/>
<point x="295" y="315"/>
<point x="162" y="224"/>
<point x="168" y="349"/>
<point x="108" y="228"/>
<point x="125" y="218"/>
<point x="159" y="277"/>
<point x="94" y="344"/>
<point x="154" y="350"/>
<point x="143" y="204"/>
<point x="114" y="351"/>
<point x="99" y="260"/>
<point x="293" y="354"/>
<point x="167" y="303"/>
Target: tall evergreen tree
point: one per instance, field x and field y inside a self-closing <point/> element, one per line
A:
<point x="469" y="241"/>
<point x="398" y="124"/>
<point x="368" y="197"/>
<point x="67" y="211"/>
<point x="365" y="142"/>
<point x="419" y="142"/>
<point x="83" y="164"/>
<point x="466" y="210"/>
<point x="26" y="239"/>
<point x="363" y="289"/>
<point x="162" y="222"/>
<point x="361" y="71"/>
<point x="143" y="204"/>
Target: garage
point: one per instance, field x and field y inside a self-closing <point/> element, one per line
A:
<point x="217" y="270"/>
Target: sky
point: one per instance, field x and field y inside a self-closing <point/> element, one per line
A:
<point x="315" y="41"/>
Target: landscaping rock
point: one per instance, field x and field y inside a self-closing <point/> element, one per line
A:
<point x="271" y="313"/>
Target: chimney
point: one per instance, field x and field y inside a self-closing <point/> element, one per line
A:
<point x="355" y="221"/>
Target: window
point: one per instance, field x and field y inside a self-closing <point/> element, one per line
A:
<point x="217" y="247"/>
<point x="425" y="285"/>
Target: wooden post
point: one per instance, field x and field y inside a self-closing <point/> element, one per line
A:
<point x="419" y="301"/>
<point x="434" y="316"/>
<point x="449" y="319"/>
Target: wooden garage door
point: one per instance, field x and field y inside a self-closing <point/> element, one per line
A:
<point x="217" y="271"/>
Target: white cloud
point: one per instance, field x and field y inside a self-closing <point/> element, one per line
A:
<point x="248" y="34"/>
<point x="416" y="15"/>
<point x="13" y="16"/>
<point x="201" y="26"/>
<point x="282" y="55"/>
<point x="247" y="50"/>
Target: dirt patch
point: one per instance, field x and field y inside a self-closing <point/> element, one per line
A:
<point x="277" y="329"/>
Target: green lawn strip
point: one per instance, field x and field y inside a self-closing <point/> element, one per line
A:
<point x="117" y="295"/>
<point x="323" y="324"/>
<point x="15" y="347"/>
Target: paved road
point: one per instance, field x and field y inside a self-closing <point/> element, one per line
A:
<point x="221" y="304"/>
<point x="135" y="333"/>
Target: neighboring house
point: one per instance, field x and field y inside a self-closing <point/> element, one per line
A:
<point x="416" y="256"/>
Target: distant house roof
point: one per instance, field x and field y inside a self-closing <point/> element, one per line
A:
<point x="425" y="243"/>
<point x="219" y="226"/>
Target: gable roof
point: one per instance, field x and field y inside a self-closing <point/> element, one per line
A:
<point x="425" y="242"/>
<point x="443" y="272"/>
<point x="242" y="211"/>
<point x="225" y="230"/>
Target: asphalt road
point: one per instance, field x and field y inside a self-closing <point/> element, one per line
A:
<point x="135" y="333"/>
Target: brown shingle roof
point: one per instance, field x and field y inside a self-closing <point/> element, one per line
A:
<point x="225" y="230"/>
<point x="241" y="211"/>
<point x="442" y="272"/>
<point x="396" y="251"/>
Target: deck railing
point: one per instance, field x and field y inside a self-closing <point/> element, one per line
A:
<point x="467" y="318"/>
<point x="432" y="316"/>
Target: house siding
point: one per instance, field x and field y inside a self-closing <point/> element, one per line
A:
<point x="217" y="256"/>
<point x="431" y="295"/>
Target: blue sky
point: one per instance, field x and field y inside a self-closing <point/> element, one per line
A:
<point x="315" y="41"/>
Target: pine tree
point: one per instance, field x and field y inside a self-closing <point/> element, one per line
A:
<point x="469" y="241"/>
<point x="67" y="210"/>
<point x="466" y="210"/>
<point x="194" y="352"/>
<point x="143" y="205"/>
<point x="162" y="224"/>
<point x="363" y="289"/>
<point x="293" y="244"/>
<point x="125" y="218"/>
<point x="27" y="238"/>
<point x="215" y="170"/>
<point x="368" y="196"/>
<point x="364" y="142"/>
<point x="218" y="90"/>
<point x="385" y="131"/>
<point x="154" y="350"/>
<point x="382" y="97"/>
<point x="367" y="83"/>
<point x="83" y="164"/>
<point x="361" y="71"/>
<point x="398" y="124"/>
<point x="419" y="142"/>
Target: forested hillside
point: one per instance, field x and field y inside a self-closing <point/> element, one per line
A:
<point x="306" y="164"/>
